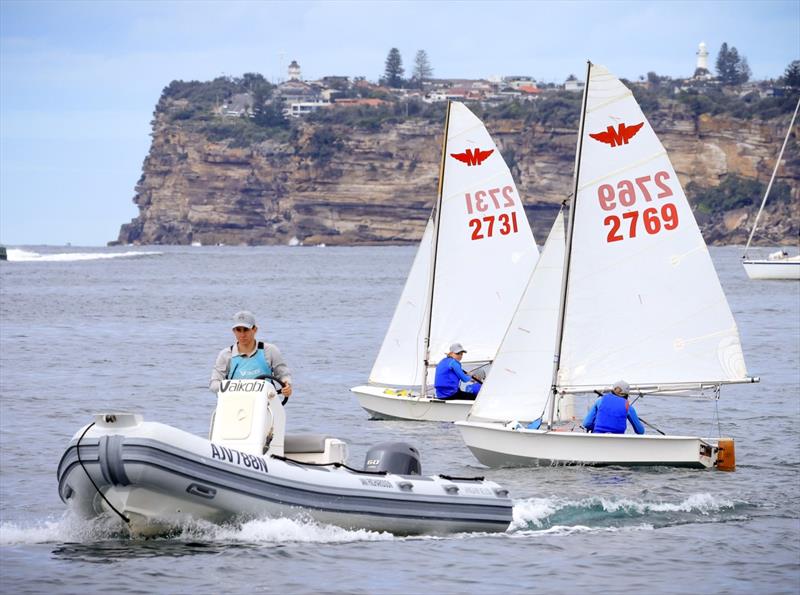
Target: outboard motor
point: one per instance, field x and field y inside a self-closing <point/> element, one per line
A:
<point x="393" y="457"/>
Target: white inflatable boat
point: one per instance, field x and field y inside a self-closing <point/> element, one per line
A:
<point x="156" y="477"/>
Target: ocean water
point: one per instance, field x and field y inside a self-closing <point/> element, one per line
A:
<point x="89" y="329"/>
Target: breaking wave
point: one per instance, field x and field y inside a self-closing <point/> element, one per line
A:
<point x="72" y="529"/>
<point x="539" y="515"/>
<point x="19" y="255"/>
<point x="560" y="515"/>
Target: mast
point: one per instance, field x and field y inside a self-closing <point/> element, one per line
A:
<point x="567" y="253"/>
<point x="772" y="179"/>
<point x="437" y="215"/>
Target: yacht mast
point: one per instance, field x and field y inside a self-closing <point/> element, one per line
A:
<point x="772" y="179"/>
<point x="437" y="215"/>
<point x="567" y="253"/>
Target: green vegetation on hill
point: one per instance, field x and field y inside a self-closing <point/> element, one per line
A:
<point x="735" y="192"/>
<point x="202" y="108"/>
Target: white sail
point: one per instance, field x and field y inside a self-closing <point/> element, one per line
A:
<point x="399" y="359"/>
<point x="486" y="251"/>
<point x="519" y="383"/>
<point x="643" y="301"/>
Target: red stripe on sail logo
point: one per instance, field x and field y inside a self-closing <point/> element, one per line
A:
<point x="471" y="157"/>
<point x="617" y="137"/>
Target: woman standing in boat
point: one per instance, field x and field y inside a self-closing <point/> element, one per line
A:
<point x="249" y="358"/>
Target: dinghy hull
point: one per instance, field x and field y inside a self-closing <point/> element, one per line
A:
<point x="383" y="403"/>
<point x="161" y="477"/>
<point x="495" y="445"/>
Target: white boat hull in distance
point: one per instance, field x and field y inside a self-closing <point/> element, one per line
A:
<point x="389" y="403"/>
<point x="495" y="445"/>
<point x="787" y="269"/>
<point x="160" y="477"/>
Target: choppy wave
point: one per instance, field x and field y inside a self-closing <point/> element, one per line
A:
<point x="553" y="514"/>
<point x="19" y="255"/>
<point x="70" y="528"/>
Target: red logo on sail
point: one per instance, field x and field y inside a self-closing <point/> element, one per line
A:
<point x="471" y="157"/>
<point x="617" y="137"/>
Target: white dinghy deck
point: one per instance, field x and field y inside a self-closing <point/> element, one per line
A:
<point x="390" y="403"/>
<point x="158" y="477"/>
<point x="499" y="446"/>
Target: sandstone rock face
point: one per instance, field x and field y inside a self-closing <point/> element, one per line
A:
<point x="378" y="187"/>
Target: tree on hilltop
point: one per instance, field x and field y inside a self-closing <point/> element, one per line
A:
<point x="422" y="68"/>
<point x="267" y="110"/>
<point x="731" y="68"/>
<point x="791" y="78"/>
<point x="393" y="73"/>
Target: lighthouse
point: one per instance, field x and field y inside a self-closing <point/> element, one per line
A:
<point x="294" y="71"/>
<point x="701" y="71"/>
<point x="702" y="56"/>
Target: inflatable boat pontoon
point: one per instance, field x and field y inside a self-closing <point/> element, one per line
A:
<point x="157" y="477"/>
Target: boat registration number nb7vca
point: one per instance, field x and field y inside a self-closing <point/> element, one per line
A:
<point x="231" y="455"/>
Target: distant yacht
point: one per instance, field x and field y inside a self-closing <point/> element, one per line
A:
<point x="778" y="265"/>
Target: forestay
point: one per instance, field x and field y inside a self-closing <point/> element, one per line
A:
<point x="519" y="384"/>
<point x="485" y="253"/>
<point x="643" y="299"/>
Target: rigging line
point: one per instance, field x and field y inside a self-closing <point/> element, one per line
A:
<point x="102" y="495"/>
<point x="649" y="425"/>
<point x="772" y="179"/>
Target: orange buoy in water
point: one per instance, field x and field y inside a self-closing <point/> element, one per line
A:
<point x="726" y="455"/>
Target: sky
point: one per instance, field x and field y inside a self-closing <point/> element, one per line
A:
<point x="79" y="80"/>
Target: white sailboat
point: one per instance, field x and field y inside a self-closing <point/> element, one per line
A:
<point x="471" y="267"/>
<point x="635" y="297"/>
<point x="778" y="265"/>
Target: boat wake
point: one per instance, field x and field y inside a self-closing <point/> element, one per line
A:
<point x="595" y="513"/>
<point x="19" y="255"/>
<point x="72" y="529"/>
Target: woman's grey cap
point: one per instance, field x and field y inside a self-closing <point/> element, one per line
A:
<point x="244" y="318"/>
<point x="622" y="385"/>
<point x="457" y="348"/>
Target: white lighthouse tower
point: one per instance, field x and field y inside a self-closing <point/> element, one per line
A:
<point x="701" y="71"/>
<point x="294" y="71"/>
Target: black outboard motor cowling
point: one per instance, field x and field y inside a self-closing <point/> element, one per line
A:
<point x="393" y="457"/>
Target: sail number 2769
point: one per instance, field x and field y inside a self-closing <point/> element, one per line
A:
<point x="626" y="194"/>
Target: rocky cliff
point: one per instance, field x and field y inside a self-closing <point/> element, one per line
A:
<point x="377" y="186"/>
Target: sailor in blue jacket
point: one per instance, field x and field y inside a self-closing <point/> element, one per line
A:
<point x="449" y="373"/>
<point x="611" y="412"/>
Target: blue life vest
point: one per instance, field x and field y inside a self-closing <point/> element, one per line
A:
<point x="446" y="380"/>
<point x="242" y="366"/>
<point x="612" y="415"/>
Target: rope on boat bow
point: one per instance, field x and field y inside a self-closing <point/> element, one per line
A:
<point x="102" y="495"/>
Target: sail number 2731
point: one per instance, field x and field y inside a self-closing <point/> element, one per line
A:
<point x="628" y="193"/>
<point x="489" y="225"/>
